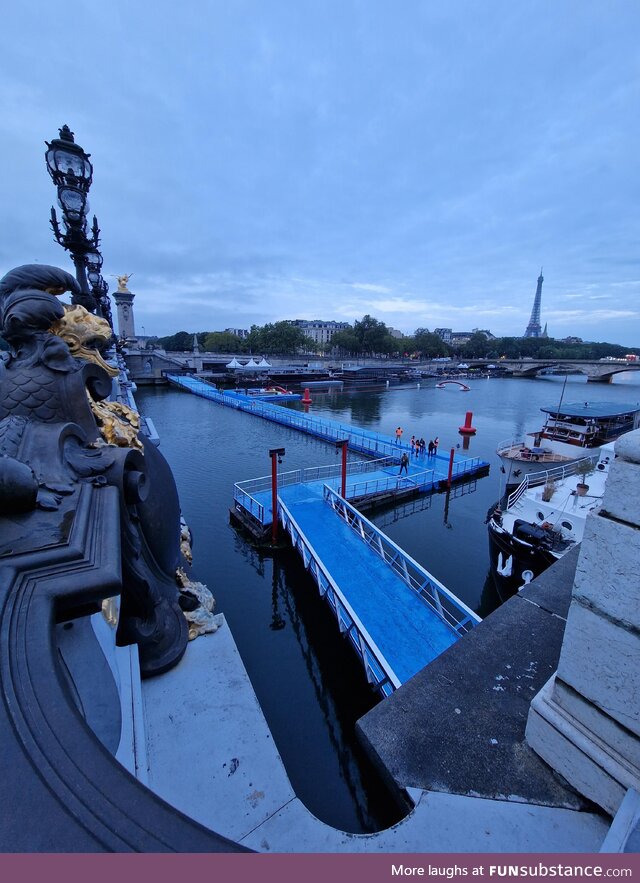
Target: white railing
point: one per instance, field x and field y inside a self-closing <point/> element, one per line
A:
<point x="313" y="473"/>
<point x="450" y="609"/>
<point x="535" y="479"/>
<point x="391" y="483"/>
<point x="509" y="443"/>
<point x="245" y="491"/>
<point x="249" y="503"/>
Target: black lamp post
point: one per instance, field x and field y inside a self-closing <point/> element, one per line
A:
<point x="72" y="173"/>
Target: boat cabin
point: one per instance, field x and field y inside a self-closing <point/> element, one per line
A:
<point x="588" y="424"/>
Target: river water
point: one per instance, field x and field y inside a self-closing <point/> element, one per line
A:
<point x="307" y="680"/>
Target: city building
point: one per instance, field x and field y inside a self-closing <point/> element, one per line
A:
<point x="444" y="334"/>
<point x="237" y="332"/>
<point x="320" y="332"/>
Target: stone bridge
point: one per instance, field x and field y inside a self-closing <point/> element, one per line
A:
<point x="596" y="371"/>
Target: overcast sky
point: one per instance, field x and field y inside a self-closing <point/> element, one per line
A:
<point x="257" y="160"/>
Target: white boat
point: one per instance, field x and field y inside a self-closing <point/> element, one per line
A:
<point x="543" y="518"/>
<point x="571" y="432"/>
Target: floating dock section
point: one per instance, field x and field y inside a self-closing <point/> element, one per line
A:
<point x="362" y="441"/>
<point x="395" y="613"/>
<point x="397" y="616"/>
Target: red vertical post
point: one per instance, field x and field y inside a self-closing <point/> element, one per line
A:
<point x="275" y="454"/>
<point x="451" y="456"/>
<point x="274" y="499"/>
<point x="343" y="490"/>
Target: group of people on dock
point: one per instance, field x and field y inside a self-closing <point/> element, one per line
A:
<point x="419" y="448"/>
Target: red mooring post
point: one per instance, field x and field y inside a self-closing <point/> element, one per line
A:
<point x="343" y="488"/>
<point x="274" y="499"/>
<point x="306" y="398"/>
<point x="276" y="454"/>
<point x="467" y="429"/>
<point x="451" y="456"/>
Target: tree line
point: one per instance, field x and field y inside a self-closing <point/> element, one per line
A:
<point x="367" y="336"/>
<point x="371" y="337"/>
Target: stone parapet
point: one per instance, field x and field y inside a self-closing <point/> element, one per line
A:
<point x="585" y="722"/>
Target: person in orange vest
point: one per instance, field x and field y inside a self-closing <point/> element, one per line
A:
<point x="399" y="435"/>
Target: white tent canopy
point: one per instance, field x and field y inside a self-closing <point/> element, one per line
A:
<point x="234" y="363"/>
<point x="263" y="363"/>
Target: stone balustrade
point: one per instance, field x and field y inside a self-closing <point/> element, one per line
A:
<point x="585" y="722"/>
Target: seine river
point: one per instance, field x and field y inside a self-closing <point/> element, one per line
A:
<point x="308" y="681"/>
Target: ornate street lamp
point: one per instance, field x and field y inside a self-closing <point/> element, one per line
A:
<point x="72" y="172"/>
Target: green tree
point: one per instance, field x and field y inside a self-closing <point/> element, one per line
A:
<point x="346" y="342"/>
<point x="277" y="337"/>
<point x="428" y="344"/>
<point x="373" y="336"/>
<point x="477" y="346"/>
<point x="180" y="342"/>
<point x="223" y="342"/>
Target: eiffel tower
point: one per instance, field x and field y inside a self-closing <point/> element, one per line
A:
<point x="534" y="329"/>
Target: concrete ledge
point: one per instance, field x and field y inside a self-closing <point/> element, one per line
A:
<point x="441" y="823"/>
<point x="458" y="726"/>
<point x="210" y="751"/>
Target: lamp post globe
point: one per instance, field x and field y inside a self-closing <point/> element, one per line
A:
<point x="72" y="172"/>
<point x="67" y="163"/>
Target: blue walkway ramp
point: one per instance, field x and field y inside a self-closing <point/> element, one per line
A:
<point x="397" y="616"/>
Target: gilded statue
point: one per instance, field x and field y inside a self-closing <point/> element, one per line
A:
<point x="123" y="280"/>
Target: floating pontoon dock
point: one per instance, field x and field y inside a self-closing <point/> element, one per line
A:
<point x="395" y="613"/>
<point x="425" y="473"/>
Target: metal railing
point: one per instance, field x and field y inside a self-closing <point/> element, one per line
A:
<point x="450" y="609"/>
<point x="245" y="491"/>
<point x="314" y="473"/>
<point x="535" y="479"/>
<point x="511" y="444"/>
<point x="249" y="503"/>
<point x="391" y="483"/>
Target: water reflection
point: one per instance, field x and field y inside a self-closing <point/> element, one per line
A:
<point x="391" y="514"/>
<point x="318" y="673"/>
<point x="277" y="620"/>
<point x="489" y="598"/>
<point x="355" y="406"/>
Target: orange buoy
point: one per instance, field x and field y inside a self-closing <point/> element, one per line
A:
<point x="467" y="429"/>
<point x="306" y="398"/>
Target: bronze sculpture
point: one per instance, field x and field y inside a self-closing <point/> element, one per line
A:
<point x="58" y="433"/>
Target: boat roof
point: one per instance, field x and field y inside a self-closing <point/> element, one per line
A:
<point x="593" y="409"/>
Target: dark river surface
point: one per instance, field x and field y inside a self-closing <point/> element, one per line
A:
<point x="308" y="681"/>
